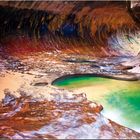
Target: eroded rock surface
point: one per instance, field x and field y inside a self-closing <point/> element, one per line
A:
<point x="135" y="64"/>
<point x="62" y="116"/>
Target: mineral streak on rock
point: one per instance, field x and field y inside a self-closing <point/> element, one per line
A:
<point x="53" y="39"/>
<point x="73" y="27"/>
<point x="71" y="117"/>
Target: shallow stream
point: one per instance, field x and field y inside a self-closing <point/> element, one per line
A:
<point x="120" y="99"/>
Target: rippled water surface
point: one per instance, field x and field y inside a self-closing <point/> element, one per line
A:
<point x="120" y="99"/>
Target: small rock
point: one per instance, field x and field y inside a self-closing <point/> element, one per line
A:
<point x="9" y="98"/>
<point x="41" y="84"/>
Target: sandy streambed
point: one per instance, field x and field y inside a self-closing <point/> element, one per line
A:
<point x="119" y="98"/>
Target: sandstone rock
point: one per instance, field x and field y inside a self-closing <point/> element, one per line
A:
<point x="68" y="117"/>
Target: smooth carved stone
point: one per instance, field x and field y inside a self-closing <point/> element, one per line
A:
<point x="55" y="119"/>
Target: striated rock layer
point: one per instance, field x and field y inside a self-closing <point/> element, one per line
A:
<point x="40" y="41"/>
<point x="84" y="27"/>
<point x="62" y="116"/>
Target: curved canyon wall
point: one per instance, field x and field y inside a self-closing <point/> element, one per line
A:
<point x="93" y="28"/>
<point x="96" y="28"/>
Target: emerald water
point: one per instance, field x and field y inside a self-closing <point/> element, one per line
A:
<point x="120" y="99"/>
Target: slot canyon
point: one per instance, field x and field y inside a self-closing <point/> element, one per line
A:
<point x="70" y="69"/>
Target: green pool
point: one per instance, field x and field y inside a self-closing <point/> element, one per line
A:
<point x="120" y="99"/>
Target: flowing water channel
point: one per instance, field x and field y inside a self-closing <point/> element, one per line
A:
<point x="120" y="99"/>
